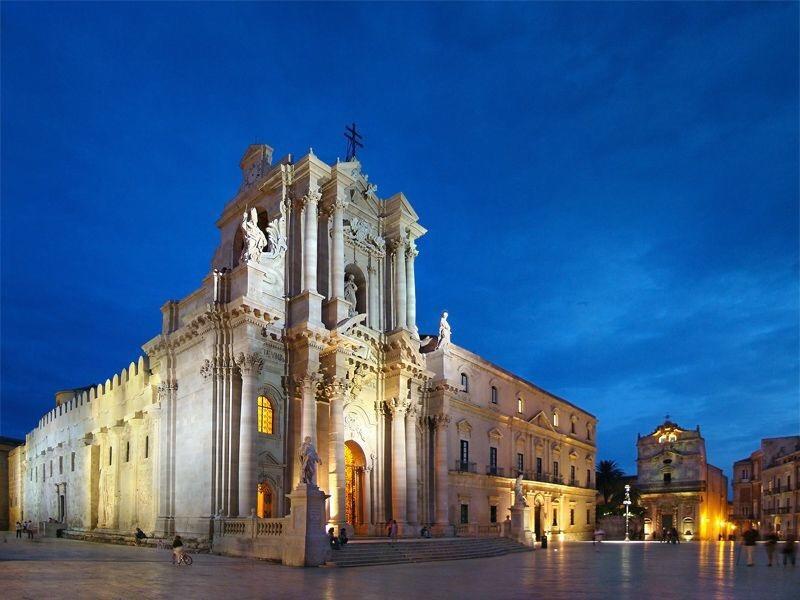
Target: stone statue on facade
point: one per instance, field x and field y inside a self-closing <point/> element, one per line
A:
<point x="276" y="241"/>
<point x="444" y="332"/>
<point x="309" y="459"/>
<point x="519" y="496"/>
<point x="350" y="290"/>
<point x="254" y="239"/>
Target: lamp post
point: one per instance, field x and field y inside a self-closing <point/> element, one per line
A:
<point x="627" y="503"/>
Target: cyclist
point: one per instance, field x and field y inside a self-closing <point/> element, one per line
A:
<point x="177" y="551"/>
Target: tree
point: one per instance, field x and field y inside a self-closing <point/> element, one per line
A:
<point x="608" y="478"/>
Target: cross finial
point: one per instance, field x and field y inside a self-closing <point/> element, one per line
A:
<point x="353" y="141"/>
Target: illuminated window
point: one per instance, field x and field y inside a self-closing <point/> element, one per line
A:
<point x="672" y="437"/>
<point x="520" y="405"/>
<point x="494" y="395"/>
<point x="555" y="419"/>
<point x="265" y="415"/>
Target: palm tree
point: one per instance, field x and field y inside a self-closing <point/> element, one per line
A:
<point x="608" y="478"/>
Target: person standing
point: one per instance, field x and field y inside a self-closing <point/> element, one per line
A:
<point x="771" y="543"/>
<point x="393" y="530"/>
<point x="789" y="549"/>
<point x="19" y="530"/>
<point x="749" y="538"/>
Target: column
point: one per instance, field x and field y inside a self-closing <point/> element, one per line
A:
<point x="411" y="288"/>
<point x="336" y="394"/>
<point x="308" y="425"/>
<point x="440" y="423"/>
<point x="373" y="284"/>
<point x="411" y="465"/>
<point x="250" y="366"/>
<point x="310" y="239"/>
<point x="337" y="250"/>
<point x="399" y="284"/>
<point x="398" y="408"/>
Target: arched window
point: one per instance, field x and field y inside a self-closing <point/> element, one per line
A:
<point x="555" y="419"/>
<point x="265" y="415"/>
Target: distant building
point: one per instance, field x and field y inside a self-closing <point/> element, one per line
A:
<point x="678" y="487"/>
<point x="765" y="486"/>
<point x="8" y="496"/>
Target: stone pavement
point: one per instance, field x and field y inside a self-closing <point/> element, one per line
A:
<point x="55" y="568"/>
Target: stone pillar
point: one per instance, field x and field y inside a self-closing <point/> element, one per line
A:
<point x="250" y="366"/>
<point x="440" y="423"/>
<point x="337" y="250"/>
<point x="398" y="408"/>
<point x="373" y="286"/>
<point x="308" y="426"/>
<point x="411" y="465"/>
<point x="400" y="312"/>
<point x="337" y="391"/>
<point x="411" y="288"/>
<point x="310" y="239"/>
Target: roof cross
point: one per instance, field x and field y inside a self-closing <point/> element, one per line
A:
<point x="353" y="141"/>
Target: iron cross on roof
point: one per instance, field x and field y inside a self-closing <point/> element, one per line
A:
<point x="353" y="141"/>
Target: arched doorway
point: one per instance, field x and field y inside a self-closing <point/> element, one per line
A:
<point x="537" y="520"/>
<point x="264" y="503"/>
<point x="354" y="464"/>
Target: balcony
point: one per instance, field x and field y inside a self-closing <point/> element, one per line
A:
<point x="496" y="471"/>
<point x="466" y="467"/>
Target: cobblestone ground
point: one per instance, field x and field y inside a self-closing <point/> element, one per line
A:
<point x="52" y="568"/>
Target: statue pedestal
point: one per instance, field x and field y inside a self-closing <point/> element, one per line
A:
<point x="305" y="543"/>
<point x="335" y="311"/>
<point x="520" y="517"/>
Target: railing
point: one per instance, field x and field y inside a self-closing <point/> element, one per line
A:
<point x="269" y="527"/>
<point x="672" y="486"/>
<point x="489" y="530"/>
<point x="466" y="467"/>
<point x="496" y="471"/>
<point x="234" y="527"/>
<point x="249" y="527"/>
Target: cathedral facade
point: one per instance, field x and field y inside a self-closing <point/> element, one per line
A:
<point x="305" y="330"/>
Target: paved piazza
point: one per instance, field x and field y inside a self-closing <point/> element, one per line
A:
<point x="53" y="568"/>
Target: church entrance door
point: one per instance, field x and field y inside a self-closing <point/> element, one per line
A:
<point x="354" y="464"/>
<point x="537" y="521"/>
<point x="264" y="504"/>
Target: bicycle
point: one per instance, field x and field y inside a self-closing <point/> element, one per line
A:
<point x="184" y="558"/>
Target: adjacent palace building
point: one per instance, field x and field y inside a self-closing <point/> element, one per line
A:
<point x="305" y="327"/>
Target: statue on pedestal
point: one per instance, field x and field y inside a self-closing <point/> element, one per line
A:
<point x="444" y="332"/>
<point x="309" y="459"/>
<point x="519" y="496"/>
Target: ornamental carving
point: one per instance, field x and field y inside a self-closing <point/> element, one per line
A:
<point x="398" y="407"/>
<point x="250" y="363"/>
<point x="312" y="195"/>
<point x="207" y="370"/>
<point x="165" y="388"/>
<point x="360" y="233"/>
<point x="411" y="249"/>
<point x="337" y="387"/>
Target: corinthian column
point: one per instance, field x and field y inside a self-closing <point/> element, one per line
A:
<point x="337" y="254"/>
<point x="398" y="408"/>
<point x="308" y="425"/>
<point x="411" y="465"/>
<point x="310" y="239"/>
<point x="399" y="284"/>
<point x="250" y="366"/>
<point x="440" y="422"/>
<point x="411" y="287"/>
<point x="336" y="391"/>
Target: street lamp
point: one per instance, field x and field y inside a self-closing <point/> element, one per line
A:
<point x="627" y="503"/>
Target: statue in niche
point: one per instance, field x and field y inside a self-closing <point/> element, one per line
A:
<point x="254" y="239"/>
<point x="444" y="332"/>
<point x="309" y="459"/>
<point x="519" y="497"/>
<point x="350" y="289"/>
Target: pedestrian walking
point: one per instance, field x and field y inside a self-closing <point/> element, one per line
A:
<point x="771" y="544"/>
<point x="393" y="530"/>
<point x="749" y="538"/>
<point x="30" y="530"/>
<point x="19" y="530"/>
<point x="789" y="549"/>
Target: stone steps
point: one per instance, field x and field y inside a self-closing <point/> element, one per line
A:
<point x="382" y="553"/>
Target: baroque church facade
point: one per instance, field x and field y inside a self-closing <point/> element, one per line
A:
<point x="305" y="329"/>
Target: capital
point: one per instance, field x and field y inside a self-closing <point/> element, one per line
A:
<point x="411" y="249"/>
<point x="336" y="387"/>
<point x="398" y="407"/>
<point x="397" y="245"/>
<point x="208" y="367"/>
<point x="250" y="363"/>
<point x="312" y="195"/>
<point x="440" y="421"/>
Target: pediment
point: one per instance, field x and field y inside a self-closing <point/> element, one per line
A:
<point x="400" y="203"/>
<point x="495" y="434"/>
<point x="268" y="458"/>
<point x="464" y="428"/>
<point x="541" y="420"/>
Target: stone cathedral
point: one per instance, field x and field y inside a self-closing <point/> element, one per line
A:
<point x="305" y="328"/>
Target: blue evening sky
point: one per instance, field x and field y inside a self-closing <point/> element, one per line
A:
<point x="611" y="190"/>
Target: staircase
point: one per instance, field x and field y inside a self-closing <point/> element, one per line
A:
<point x="360" y="553"/>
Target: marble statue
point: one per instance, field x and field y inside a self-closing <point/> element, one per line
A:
<point x="519" y="496"/>
<point x="444" y="332"/>
<point x="276" y="241"/>
<point x="350" y="289"/>
<point x="254" y="239"/>
<point x="308" y="462"/>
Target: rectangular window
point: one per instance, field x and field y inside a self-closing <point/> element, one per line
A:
<point x="588" y="478"/>
<point x="520" y="405"/>
<point x="588" y="517"/>
<point x="464" y="514"/>
<point x="667" y="477"/>
<point x="51" y="468"/>
<point x="555" y="516"/>
<point x="493" y="459"/>
<point x="147" y="446"/>
<point x="520" y="462"/>
<point x="464" y="382"/>
<point x="572" y="427"/>
<point x="127" y="452"/>
<point x="464" y="453"/>
<point x="493" y="514"/>
<point x="72" y="462"/>
<point x="109" y="455"/>
<point x="494" y="395"/>
<point x="572" y="475"/>
<point x="60" y="465"/>
<point x="555" y="468"/>
<point x="539" y="465"/>
<point x="572" y="516"/>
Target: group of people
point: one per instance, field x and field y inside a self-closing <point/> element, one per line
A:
<point x="26" y="528"/>
<point x="789" y="549"/>
<point x="335" y="541"/>
<point x="669" y="535"/>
